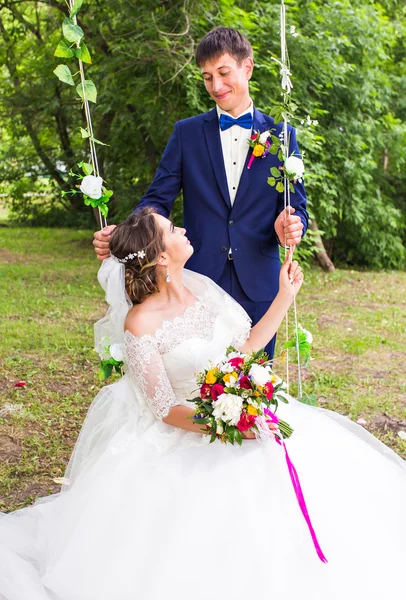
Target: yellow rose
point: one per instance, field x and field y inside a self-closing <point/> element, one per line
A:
<point x="259" y="149"/>
<point x="252" y="410"/>
<point x="273" y="379"/>
<point x="226" y="378"/>
<point x="257" y="393"/>
<point x="210" y="377"/>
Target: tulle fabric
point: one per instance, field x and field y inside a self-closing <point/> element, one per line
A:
<point x="152" y="512"/>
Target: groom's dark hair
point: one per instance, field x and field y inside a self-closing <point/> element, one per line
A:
<point x="221" y="40"/>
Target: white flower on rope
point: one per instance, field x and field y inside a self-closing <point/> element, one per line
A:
<point x="294" y="167"/>
<point x="92" y="186"/>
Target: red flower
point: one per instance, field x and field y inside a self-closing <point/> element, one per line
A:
<point x="205" y="391"/>
<point x="216" y="390"/>
<point x="236" y="362"/>
<point x="245" y="422"/>
<point x="20" y="384"/>
<point x="254" y="136"/>
<point x="268" y="389"/>
<point x="245" y="383"/>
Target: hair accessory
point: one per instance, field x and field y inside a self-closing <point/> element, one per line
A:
<point x="141" y="254"/>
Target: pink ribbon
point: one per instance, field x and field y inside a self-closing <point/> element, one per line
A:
<point x="300" y="498"/>
<point x="251" y="160"/>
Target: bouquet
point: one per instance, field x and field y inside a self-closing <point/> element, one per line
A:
<point x="240" y="394"/>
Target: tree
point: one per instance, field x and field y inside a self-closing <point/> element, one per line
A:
<point x="348" y="64"/>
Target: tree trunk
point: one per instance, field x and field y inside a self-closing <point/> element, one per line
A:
<point x="321" y="255"/>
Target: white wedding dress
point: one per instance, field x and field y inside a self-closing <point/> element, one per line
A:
<point x="152" y="512"/>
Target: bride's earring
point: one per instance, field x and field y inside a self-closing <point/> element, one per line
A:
<point x="168" y="277"/>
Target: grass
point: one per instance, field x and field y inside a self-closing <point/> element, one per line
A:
<point x="50" y="299"/>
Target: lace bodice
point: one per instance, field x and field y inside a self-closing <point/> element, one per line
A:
<point x="164" y="365"/>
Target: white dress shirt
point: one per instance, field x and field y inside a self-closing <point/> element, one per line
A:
<point x="235" y="148"/>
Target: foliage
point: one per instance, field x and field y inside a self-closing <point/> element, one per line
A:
<point x="348" y="67"/>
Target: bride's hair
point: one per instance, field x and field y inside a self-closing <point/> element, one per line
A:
<point x="140" y="232"/>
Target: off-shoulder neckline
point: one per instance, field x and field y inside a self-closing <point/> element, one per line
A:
<point x="164" y="325"/>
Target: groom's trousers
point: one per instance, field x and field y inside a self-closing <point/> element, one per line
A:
<point x="256" y="310"/>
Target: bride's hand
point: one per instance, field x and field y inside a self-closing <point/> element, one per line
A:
<point x="291" y="277"/>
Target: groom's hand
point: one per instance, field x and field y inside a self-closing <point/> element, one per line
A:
<point x="289" y="228"/>
<point x="101" y="241"/>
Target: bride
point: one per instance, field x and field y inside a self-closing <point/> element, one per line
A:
<point x="151" y="510"/>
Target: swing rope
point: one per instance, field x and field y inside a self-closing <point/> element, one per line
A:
<point x="287" y="86"/>
<point x="93" y="152"/>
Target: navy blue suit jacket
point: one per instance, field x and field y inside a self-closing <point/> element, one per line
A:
<point x="193" y="161"/>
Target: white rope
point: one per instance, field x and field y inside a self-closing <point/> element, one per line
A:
<point x="93" y="153"/>
<point x="287" y="86"/>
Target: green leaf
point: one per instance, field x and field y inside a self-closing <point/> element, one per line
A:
<point x="238" y="437"/>
<point x="83" y="54"/>
<point x="274" y="149"/>
<point x="280" y="187"/>
<point x="291" y="187"/>
<point x="71" y="32"/>
<point x="84" y="132"/>
<point x="87" y="168"/>
<point x="276" y="140"/>
<point x="280" y="155"/>
<point x="90" y="90"/>
<point x="104" y="210"/>
<point x="63" y="74"/>
<point x="105" y="371"/>
<point x="205" y="421"/>
<point x="275" y="172"/>
<point x="77" y="5"/>
<point x="97" y="141"/>
<point x="271" y="181"/>
<point x="310" y="399"/>
<point x="63" y="50"/>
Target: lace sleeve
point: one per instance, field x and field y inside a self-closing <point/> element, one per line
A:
<point x="149" y="374"/>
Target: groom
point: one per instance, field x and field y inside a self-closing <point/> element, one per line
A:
<point x="233" y="218"/>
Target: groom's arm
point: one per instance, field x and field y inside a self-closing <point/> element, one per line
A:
<point x="167" y="182"/>
<point x="296" y="225"/>
<point x="161" y="194"/>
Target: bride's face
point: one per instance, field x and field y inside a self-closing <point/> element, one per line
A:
<point x="178" y="247"/>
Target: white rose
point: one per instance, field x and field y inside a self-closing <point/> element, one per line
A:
<point x="227" y="368"/>
<point x="294" y="165"/>
<point x="259" y="375"/>
<point x="232" y="381"/>
<point x="235" y="355"/>
<point x="228" y="408"/>
<point x="116" y="352"/>
<point x="219" y="428"/>
<point x="263" y="137"/>
<point x="92" y="186"/>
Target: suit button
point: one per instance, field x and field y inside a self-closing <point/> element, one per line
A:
<point x="231" y="223"/>
<point x="224" y="248"/>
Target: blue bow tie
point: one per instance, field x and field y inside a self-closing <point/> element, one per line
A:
<point x="244" y="121"/>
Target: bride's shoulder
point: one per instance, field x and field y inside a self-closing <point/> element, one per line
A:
<point x="142" y="319"/>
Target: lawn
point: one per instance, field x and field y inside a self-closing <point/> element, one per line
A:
<point x="50" y="299"/>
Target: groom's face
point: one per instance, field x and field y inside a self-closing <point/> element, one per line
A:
<point x="226" y="81"/>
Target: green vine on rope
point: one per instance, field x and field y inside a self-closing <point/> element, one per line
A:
<point x="72" y="46"/>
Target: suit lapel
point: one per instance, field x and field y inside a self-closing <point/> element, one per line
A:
<point x="248" y="175"/>
<point x="213" y="141"/>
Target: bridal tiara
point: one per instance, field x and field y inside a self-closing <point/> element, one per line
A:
<point x="141" y="254"/>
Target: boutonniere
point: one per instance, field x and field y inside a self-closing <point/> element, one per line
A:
<point x="263" y="144"/>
